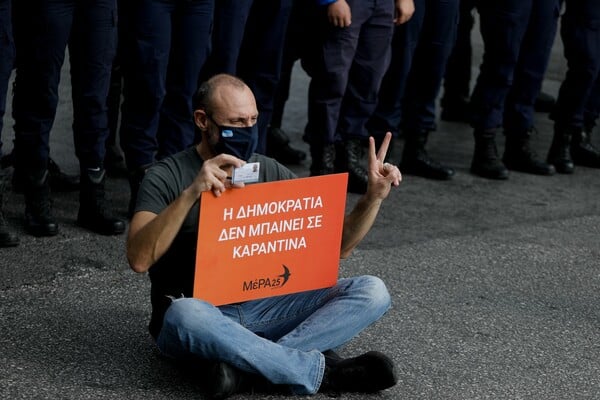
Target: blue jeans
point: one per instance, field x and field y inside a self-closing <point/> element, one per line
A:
<point x="281" y="338"/>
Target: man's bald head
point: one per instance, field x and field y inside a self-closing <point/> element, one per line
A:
<point x="209" y="91"/>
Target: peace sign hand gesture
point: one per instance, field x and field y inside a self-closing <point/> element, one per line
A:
<point x="382" y="175"/>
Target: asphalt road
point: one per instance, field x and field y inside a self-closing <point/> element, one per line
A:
<point x="495" y="286"/>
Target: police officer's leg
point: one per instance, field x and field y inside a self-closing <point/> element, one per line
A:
<point x="529" y="74"/>
<point x="296" y="34"/>
<point x="360" y="98"/>
<point x="388" y="112"/>
<point x="457" y="79"/>
<point x="330" y="67"/>
<point x="7" y="55"/>
<point x="435" y="43"/>
<point x="261" y="56"/>
<point x="188" y="54"/>
<point x="92" y="49"/>
<point x="42" y="43"/>
<point x="580" y="32"/>
<point x="503" y="25"/>
<point x="144" y="87"/>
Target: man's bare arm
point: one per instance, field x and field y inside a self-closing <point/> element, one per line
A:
<point x="382" y="176"/>
<point x="151" y="235"/>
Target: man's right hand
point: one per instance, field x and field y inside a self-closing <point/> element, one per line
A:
<point x="213" y="175"/>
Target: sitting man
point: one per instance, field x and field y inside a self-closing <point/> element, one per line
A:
<point x="281" y="339"/>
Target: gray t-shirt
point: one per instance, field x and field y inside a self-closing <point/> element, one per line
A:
<point x="173" y="274"/>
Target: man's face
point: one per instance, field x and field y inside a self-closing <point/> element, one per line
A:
<point x="232" y="107"/>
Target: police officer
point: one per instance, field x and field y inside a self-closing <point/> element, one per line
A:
<point x="7" y="56"/>
<point x="45" y="29"/>
<point x="420" y="50"/>
<point x="248" y="40"/>
<point x="168" y="45"/>
<point x="353" y="56"/>
<point x="577" y="108"/>
<point x="518" y="36"/>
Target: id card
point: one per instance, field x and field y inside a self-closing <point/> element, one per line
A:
<point x="246" y="174"/>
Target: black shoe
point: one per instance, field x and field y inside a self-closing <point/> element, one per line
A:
<point x="278" y="147"/>
<point x="544" y="103"/>
<point x="7" y="237"/>
<point x="38" y="206"/>
<point x="416" y="161"/>
<point x="583" y="151"/>
<point x="226" y="381"/>
<point x="559" y="154"/>
<point x="519" y="156"/>
<point x="323" y="159"/>
<point x="93" y="214"/>
<point x="486" y="162"/>
<point x="367" y="373"/>
<point x="349" y="155"/>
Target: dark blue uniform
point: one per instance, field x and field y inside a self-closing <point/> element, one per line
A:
<point x="248" y="39"/>
<point x="580" y="32"/>
<point x="45" y="29"/>
<point x="420" y="51"/>
<point x="168" y="46"/>
<point x="518" y="36"/>
<point x="7" y="55"/>
<point x="578" y="102"/>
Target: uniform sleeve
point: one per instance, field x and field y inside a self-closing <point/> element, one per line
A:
<point x="325" y="2"/>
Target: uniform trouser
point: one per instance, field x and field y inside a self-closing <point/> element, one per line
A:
<point x="420" y="50"/>
<point x="592" y="107"/>
<point x="7" y="55"/>
<point x="348" y="72"/>
<point x="298" y="38"/>
<point x="281" y="338"/>
<point x="168" y="48"/>
<point x="457" y="79"/>
<point x="46" y="27"/>
<point x="518" y="36"/>
<point x="248" y="40"/>
<point x="580" y="32"/>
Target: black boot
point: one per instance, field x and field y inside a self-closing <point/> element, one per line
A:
<point x="583" y="151"/>
<point x="416" y="161"/>
<point x="519" y="156"/>
<point x="367" y="373"/>
<point x="93" y="214"/>
<point x="559" y="154"/>
<point x="323" y="159"/>
<point x="7" y="237"/>
<point x="226" y="381"/>
<point x="349" y="156"/>
<point x="278" y="147"/>
<point x="486" y="162"/>
<point x="59" y="181"/>
<point x="38" y="206"/>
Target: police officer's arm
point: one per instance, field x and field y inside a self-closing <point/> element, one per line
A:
<point x="382" y="176"/>
<point x="151" y="235"/>
<point x="404" y="11"/>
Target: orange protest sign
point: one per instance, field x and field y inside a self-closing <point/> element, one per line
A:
<point x="270" y="239"/>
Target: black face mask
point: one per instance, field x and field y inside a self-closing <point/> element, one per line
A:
<point x="240" y="142"/>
